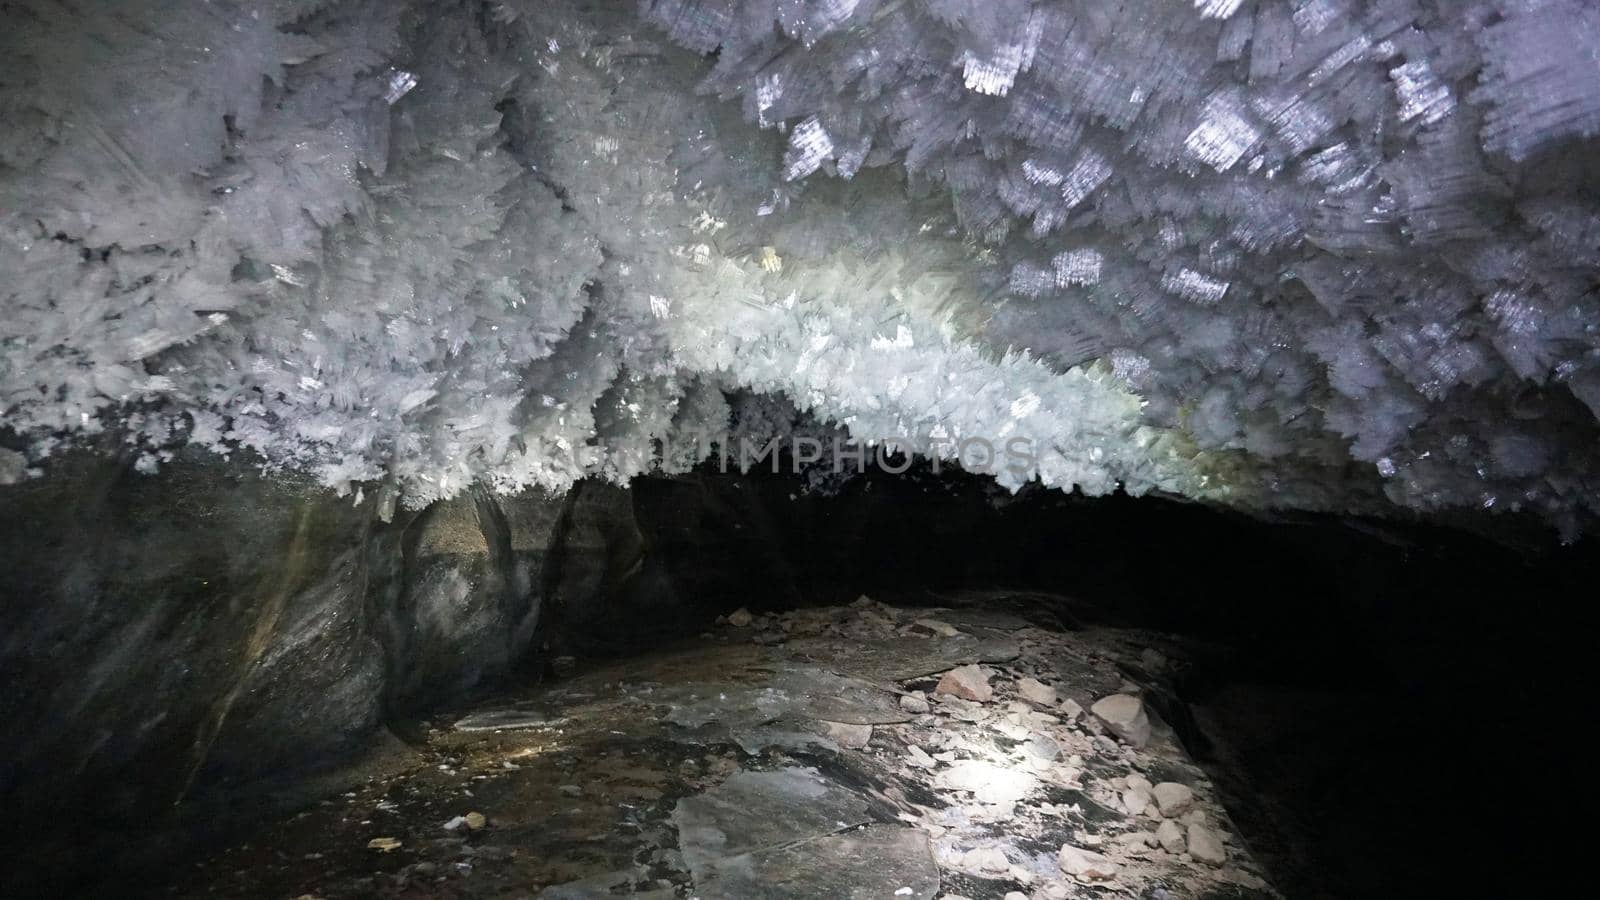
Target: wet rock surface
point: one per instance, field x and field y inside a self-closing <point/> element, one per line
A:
<point x="718" y="769"/>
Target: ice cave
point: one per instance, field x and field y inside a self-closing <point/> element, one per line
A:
<point x="786" y="449"/>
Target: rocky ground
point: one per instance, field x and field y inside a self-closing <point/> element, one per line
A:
<point x="863" y="751"/>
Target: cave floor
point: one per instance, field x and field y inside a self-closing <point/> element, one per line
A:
<point x="811" y="753"/>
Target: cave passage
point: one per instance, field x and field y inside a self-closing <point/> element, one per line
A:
<point x="1229" y="371"/>
<point x="725" y="685"/>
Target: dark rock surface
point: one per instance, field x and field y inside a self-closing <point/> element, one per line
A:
<point x="209" y="633"/>
<point x="206" y="622"/>
<point x="706" y="767"/>
<point x="186" y="654"/>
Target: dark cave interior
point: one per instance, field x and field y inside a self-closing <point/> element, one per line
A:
<point x="1368" y="698"/>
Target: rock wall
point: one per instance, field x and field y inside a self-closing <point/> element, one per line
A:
<point x="163" y="636"/>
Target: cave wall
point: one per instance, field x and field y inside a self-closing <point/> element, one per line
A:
<point x="164" y="636"/>
<point x="210" y="630"/>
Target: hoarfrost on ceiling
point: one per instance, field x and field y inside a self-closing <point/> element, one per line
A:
<point x="1316" y="254"/>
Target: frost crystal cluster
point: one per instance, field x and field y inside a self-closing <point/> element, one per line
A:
<point x="1326" y="254"/>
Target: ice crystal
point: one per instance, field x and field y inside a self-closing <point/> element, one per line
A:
<point x="1227" y="248"/>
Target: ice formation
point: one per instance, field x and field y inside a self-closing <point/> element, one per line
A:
<point x="1325" y="254"/>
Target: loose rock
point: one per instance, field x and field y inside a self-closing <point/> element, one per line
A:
<point x="968" y="683"/>
<point x="1206" y="845"/>
<point x="740" y="618"/>
<point x="1173" y="799"/>
<point x="850" y="737"/>
<point x="1042" y="748"/>
<point x="1085" y="864"/>
<point x="986" y="859"/>
<point x="914" y="703"/>
<point x="1036" y="692"/>
<point x="1124" y="716"/>
<point x="1135" y="801"/>
<point x="1170" y="836"/>
<point x="472" y="821"/>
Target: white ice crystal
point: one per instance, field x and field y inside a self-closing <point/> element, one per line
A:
<point x="402" y="241"/>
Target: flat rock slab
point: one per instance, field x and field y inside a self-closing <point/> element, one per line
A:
<point x="798" y="693"/>
<point x="507" y="719"/>
<point x="755" y="811"/>
<point x="879" y="862"/>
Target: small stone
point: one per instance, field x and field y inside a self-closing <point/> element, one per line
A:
<point x="968" y="683"/>
<point x="986" y="859"/>
<point x="1138" y="843"/>
<point x="1135" y="802"/>
<point x="740" y="618"/>
<point x="384" y="844"/>
<point x="1014" y="730"/>
<point x="571" y="790"/>
<point x="1071" y="711"/>
<point x="1206" y="846"/>
<point x="1055" y="890"/>
<point x="1085" y="864"/>
<point x="1173" y="799"/>
<point x="1137" y="782"/>
<point x="914" y="703"/>
<point x="1124" y="716"/>
<point x="1036" y="692"/>
<point x="1016" y="895"/>
<point x="848" y="736"/>
<point x="1066" y="777"/>
<point x="920" y="758"/>
<point x="1042" y="747"/>
<point x="1170" y="837"/>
